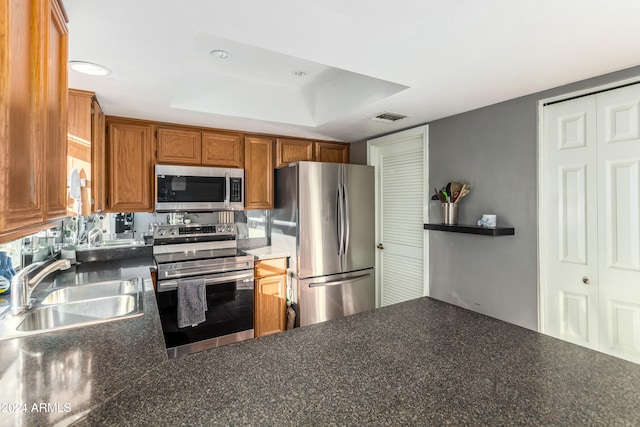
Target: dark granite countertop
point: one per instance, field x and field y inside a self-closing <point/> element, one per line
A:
<point x="422" y="362"/>
<point x="75" y="370"/>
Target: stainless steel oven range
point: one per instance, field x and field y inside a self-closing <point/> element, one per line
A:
<point x="208" y="252"/>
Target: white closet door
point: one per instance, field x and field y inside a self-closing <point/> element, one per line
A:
<point x="569" y="224"/>
<point x="618" y="113"/>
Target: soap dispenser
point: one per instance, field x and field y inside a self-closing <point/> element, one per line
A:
<point x="6" y="273"/>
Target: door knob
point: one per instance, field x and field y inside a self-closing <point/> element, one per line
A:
<point x="380" y="246"/>
<point x="586" y="280"/>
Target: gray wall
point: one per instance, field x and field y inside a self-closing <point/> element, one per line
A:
<point x="495" y="150"/>
<point x="358" y="153"/>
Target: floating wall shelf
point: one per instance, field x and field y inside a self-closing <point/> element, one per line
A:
<point x="472" y="229"/>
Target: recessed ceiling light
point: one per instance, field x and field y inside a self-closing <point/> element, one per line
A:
<point x="220" y="54"/>
<point x="299" y="73"/>
<point x="89" y="68"/>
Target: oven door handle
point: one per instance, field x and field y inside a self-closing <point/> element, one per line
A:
<point x="168" y="285"/>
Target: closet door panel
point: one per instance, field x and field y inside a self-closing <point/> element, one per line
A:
<point x="569" y="220"/>
<point x="618" y="166"/>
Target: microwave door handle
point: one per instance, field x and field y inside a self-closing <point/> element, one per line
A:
<point x="227" y="195"/>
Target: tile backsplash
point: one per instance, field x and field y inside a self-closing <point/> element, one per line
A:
<point x="253" y="232"/>
<point x="253" y="226"/>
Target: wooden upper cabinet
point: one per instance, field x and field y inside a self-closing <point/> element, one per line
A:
<point x="22" y="108"/>
<point x="130" y="166"/>
<point x="33" y="85"/>
<point x="79" y="114"/>
<point x="222" y="150"/>
<point x="292" y="150"/>
<point x="192" y="146"/>
<point x="333" y="152"/>
<point x="298" y="150"/>
<point x="98" y="159"/>
<point x="56" y="137"/>
<point x="85" y="152"/>
<point x="179" y="146"/>
<point x="258" y="173"/>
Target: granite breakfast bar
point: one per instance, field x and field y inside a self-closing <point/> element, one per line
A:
<point x="423" y="362"/>
<point x="415" y="363"/>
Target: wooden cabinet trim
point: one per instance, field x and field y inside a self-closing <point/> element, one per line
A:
<point x="244" y="134"/>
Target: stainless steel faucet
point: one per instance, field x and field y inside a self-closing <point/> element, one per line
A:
<point x="22" y="286"/>
<point x="92" y="236"/>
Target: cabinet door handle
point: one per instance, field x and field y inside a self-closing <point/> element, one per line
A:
<point x="586" y="280"/>
<point x="380" y="246"/>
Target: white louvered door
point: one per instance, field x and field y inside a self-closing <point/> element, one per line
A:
<point x="400" y="172"/>
<point x="591" y="222"/>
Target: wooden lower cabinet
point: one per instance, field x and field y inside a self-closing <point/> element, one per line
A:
<point x="258" y="173"/>
<point x="270" y="297"/>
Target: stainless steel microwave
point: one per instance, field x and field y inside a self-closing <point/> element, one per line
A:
<point x="195" y="188"/>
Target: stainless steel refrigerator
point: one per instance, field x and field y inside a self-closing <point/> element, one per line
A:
<point x="324" y="212"/>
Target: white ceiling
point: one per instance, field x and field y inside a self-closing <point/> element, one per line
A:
<point x="427" y="59"/>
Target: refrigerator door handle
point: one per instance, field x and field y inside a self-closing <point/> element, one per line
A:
<point x="339" y="282"/>
<point x="347" y="233"/>
<point x="340" y="215"/>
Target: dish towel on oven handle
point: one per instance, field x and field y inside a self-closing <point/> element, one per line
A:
<point x="192" y="302"/>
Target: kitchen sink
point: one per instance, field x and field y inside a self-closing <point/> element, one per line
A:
<point x="80" y="313"/>
<point x="75" y="306"/>
<point x="91" y="291"/>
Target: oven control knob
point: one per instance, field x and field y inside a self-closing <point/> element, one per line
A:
<point x="229" y="229"/>
<point x="173" y="231"/>
<point x="162" y="232"/>
<point x="220" y="229"/>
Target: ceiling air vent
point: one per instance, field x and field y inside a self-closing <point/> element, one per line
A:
<point x="388" y="117"/>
